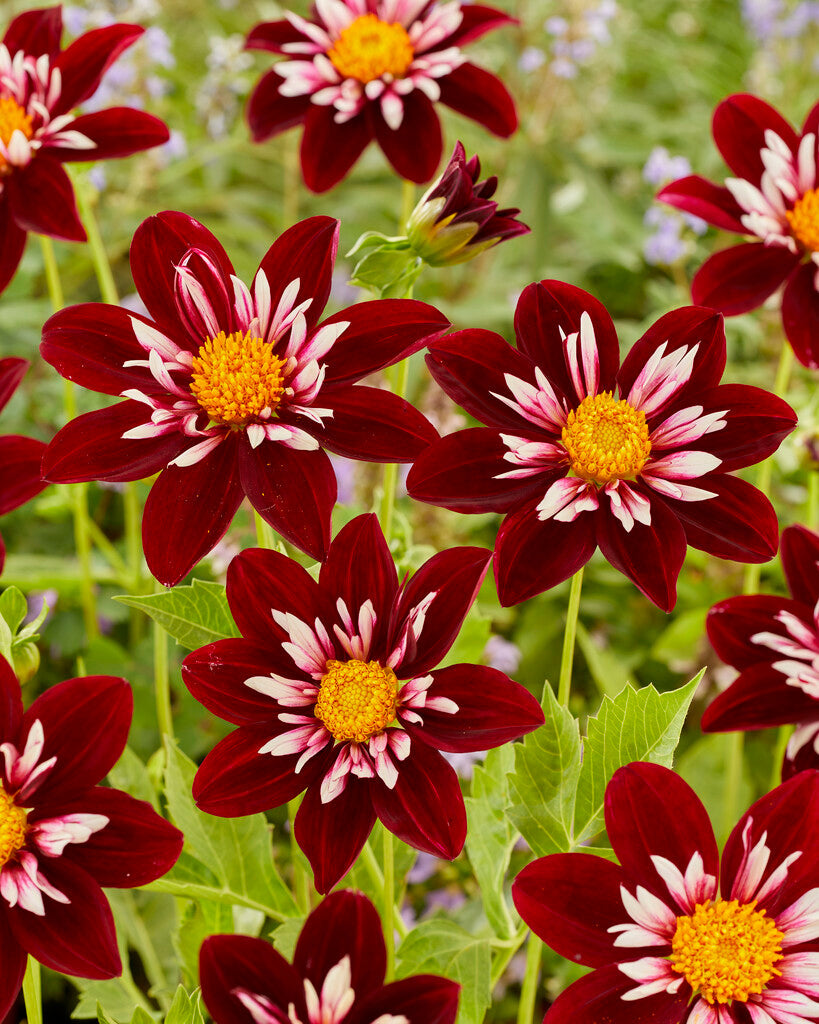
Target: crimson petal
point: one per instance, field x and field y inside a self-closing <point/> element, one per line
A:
<point x="37" y="32"/>
<point x="188" y="511"/>
<point x="422" y="999"/>
<point x="414" y="148"/>
<point x="83" y="63"/>
<point x="273" y="36"/>
<point x="739" y="127"/>
<point x="732" y="623"/>
<point x="329" y="150"/>
<point x="713" y="203"/>
<point x="230" y="962"/>
<point x="741" y="278"/>
<point x="599" y="997"/>
<point x="13" y="958"/>
<point x="332" y="835"/>
<point x="800" y="560"/>
<point x="294" y="491"/>
<point x="41" y="199"/>
<point x="20" y="459"/>
<point x="12" y="371"/>
<point x="492" y="710"/>
<point x="800" y="314"/>
<point x="756" y="423"/>
<point x="476" y="21"/>
<point x="116" y="132"/>
<point x="269" y="113"/>
<point x="759" y="698"/>
<point x="12" y="244"/>
<point x="480" y="96"/>
<point x="11" y="701"/>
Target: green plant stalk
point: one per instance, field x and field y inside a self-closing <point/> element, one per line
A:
<point x="78" y="493"/>
<point x="505" y="954"/>
<point x="398" y="378"/>
<point x="265" y="537"/>
<point x="783" y="734"/>
<point x="162" y="680"/>
<point x="32" y="994"/>
<point x="301" y="879"/>
<point x="569" y="635"/>
<point x="373" y="869"/>
<point x="528" y="992"/>
<point x="812" y="511"/>
<point x="388" y="906"/>
<point x="407" y="205"/>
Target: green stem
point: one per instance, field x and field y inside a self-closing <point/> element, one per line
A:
<point x="401" y="375"/>
<point x="812" y="513"/>
<point x="528" y="992"/>
<point x="373" y="869"/>
<point x="99" y="257"/>
<point x="505" y="954"/>
<point x="388" y="906"/>
<point x="783" y="734"/>
<point x="31" y="992"/>
<point x="301" y="880"/>
<point x="104" y="545"/>
<point x="407" y="204"/>
<point x="567" y="657"/>
<point x="265" y="537"/>
<point x="162" y="681"/>
<point x="733" y="779"/>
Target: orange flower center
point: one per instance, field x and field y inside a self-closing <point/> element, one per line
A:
<point x="369" y="48"/>
<point x="606" y="439"/>
<point x="357" y="699"/>
<point x="804" y="220"/>
<point x="726" y="950"/>
<point x="12" y="827"/>
<point x="237" y="378"/>
<point x="12" y="119"/>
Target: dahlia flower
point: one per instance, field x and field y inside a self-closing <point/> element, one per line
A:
<point x="581" y="454"/>
<point x="63" y="837"/>
<point x="40" y="85"/>
<point x="337" y="975"/>
<point x="775" y="199"/>
<point x="232" y="391"/>
<point x="335" y="690"/>
<point x="673" y="934"/>
<point x="372" y="69"/>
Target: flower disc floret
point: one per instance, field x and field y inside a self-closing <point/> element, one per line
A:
<point x="804" y="220"/>
<point x="237" y="378"/>
<point x="606" y="439"/>
<point x="370" y="48"/>
<point x="357" y="699"/>
<point x="726" y="950"/>
<point x="12" y="827"/>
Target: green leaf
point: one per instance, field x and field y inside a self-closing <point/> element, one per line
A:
<point x="439" y="946"/>
<point x="139" y="1017"/>
<point x="228" y="860"/>
<point x="13" y="608"/>
<point x="388" y="270"/>
<point x="194" y="615"/>
<point x="490" y="836"/>
<point x="130" y="774"/>
<point x="196" y="922"/>
<point x="185" y="1009"/>
<point x="542" y="788"/>
<point x="286" y="936"/>
<point x="471" y="641"/>
<point x="637" y="725"/>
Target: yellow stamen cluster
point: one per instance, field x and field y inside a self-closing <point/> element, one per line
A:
<point x="236" y="378"/>
<point x="804" y="220"/>
<point x="12" y="118"/>
<point x="369" y="48"/>
<point x="12" y="827"/>
<point x="606" y="439"/>
<point x="357" y="699"/>
<point x="726" y="950"/>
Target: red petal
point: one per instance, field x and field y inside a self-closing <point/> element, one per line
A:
<point x="13" y="958"/>
<point x="117" y="131"/>
<point x="373" y="425"/>
<point x="492" y="710"/>
<point x="188" y="511"/>
<point x="12" y="244"/>
<point x="812" y="120"/>
<point x="36" y="32"/>
<point x="92" y="447"/>
<point x="292" y="490"/>
<point x="343" y="924"/>
<point x="83" y="63"/>
<point x="423" y="997"/>
<point x="425" y="808"/>
<point x="273" y="36"/>
<point x="414" y="148"/>
<point x="739" y="127"/>
<point x="571" y="900"/>
<point x="742" y="277"/>
<point x="651" y="812"/>
<point x="134" y="848"/>
<point x="331" y="835"/>
<point x="476" y="21"/>
<point x="231" y="962"/>
<point x="455" y="577"/>
<point x="11" y="701"/>
<point x="480" y="96"/>
<point x="12" y="371"/>
<point x="20" y="459"/>
<point x="732" y="623"/>
<point x="549" y="310"/>
<point x="713" y="203"/>
<point x="533" y="556"/>
<point x="269" y="113"/>
<point x="329" y="150"/>
<point x="756" y="423"/>
<point x="800" y="314"/>
<point x="759" y="698"/>
<point x="599" y="997"/>
<point x="800" y="560"/>
<point x="41" y="199"/>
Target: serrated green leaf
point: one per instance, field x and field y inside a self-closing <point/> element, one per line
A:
<point x="185" y="1009"/>
<point x="490" y="836"/>
<point x="130" y="774"/>
<point x="287" y="934"/>
<point x="193" y="615"/>
<point x="439" y="946"/>
<point x="637" y="725"/>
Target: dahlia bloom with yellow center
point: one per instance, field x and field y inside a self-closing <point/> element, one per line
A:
<point x="336" y="691"/>
<point x="674" y="935"/>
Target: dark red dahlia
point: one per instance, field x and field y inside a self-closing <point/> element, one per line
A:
<point x="673" y="934"/>
<point x="62" y="836"/>
<point x="337" y="975"/>
<point x="20" y="457"/>
<point x="575" y="466"/>
<point x="40" y="85"/>
<point x="373" y="69"/>
<point x="233" y="391"/>
<point x="774" y="198"/>
<point x="335" y="690"/>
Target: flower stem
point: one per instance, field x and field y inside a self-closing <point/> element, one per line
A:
<point x="265" y="537"/>
<point x="32" y="994"/>
<point x="812" y="511"/>
<point x="78" y="492"/>
<point x="162" y="681"/>
<point x="301" y="880"/>
<point x="505" y="954"/>
<point x="388" y="909"/>
<point x="407" y="203"/>
<point x="373" y="869"/>
<point x="567" y="657"/>
<point x="400" y="377"/>
<point x="99" y="257"/>
<point x="528" y="992"/>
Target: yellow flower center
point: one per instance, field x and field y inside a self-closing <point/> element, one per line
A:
<point x="12" y="118"/>
<point x="606" y="439"/>
<point x="804" y="220"/>
<point x="726" y="950"/>
<point x="369" y="48"/>
<point x="356" y="699"/>
<point x="12" y="827"/>
<point x="236" y="378"/>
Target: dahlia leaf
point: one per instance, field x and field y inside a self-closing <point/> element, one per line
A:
<point x="193" y="615"/>
<point x="439" y="946"/>
<point x="636" y="725"/>
<point x="185" y="1009"/>
<point x="287" y="934"/>
<point x="196" y="921"/>
<point x="490" y="837"/>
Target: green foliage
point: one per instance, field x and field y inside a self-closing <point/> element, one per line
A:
<point x="185" y="1009"/>
<point x="193" y="615"/>
<point x="18" y="642"/>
